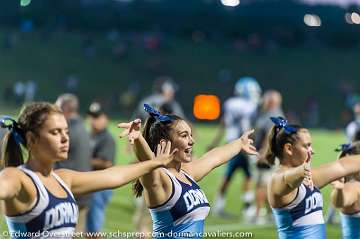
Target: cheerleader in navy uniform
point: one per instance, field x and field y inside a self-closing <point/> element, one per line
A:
<point x="39" y="201"/>
<point x="345" y="196"/>
<point x="177" y="205"/>
<point x="294" y="189"/>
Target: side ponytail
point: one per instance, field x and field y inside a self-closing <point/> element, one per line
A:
<point x="31" y="119"/>
<point x="270" y="154"/>
<point x="277" y="138"/>
<point x="150" y="121"/>
<point x="12" y="154"/>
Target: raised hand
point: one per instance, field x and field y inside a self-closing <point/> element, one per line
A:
<point x="163" y="154"/>
<point x="308" y="176"/>
<point x="131" y="130"/>
<point x="338" y="184"/>
<point x="247" y="143"/>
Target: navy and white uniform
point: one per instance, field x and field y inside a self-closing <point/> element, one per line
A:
<point x="50" y="217"/>
<point x="350" y="224"/>
<point x="303" y="217"/>
<point x="183" y="215"/>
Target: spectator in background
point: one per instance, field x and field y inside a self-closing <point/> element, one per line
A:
<point x="79" y="152"/>
<point x="354" y="126"/>
<point x="164" y="90"/>
<point x="103" y="156"/>
<point x="271" y="107"/>
<point x="239" y="112"/>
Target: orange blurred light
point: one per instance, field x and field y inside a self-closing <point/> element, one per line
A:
<point x="206" y="107"/>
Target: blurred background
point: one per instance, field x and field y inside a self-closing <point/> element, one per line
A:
<point x="113" y="50"/>
<point x="116" y="51"/>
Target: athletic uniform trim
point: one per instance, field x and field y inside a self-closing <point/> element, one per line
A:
<point x="50" y="213"/>
<point x="184" y="213"/>
<point x="171" y="196"/>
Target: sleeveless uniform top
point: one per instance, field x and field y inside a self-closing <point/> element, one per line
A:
<point x="303" y="217"/>
<point x="350" y="224"/>
<point x="183" y="215"/>
<point x="50" y="217"/>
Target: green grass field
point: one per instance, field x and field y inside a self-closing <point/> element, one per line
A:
<point x="121" y="209"/>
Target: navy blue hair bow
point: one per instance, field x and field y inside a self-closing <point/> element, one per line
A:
<point x="156" y="114"/>
<point x="343" y="148"/>
<point x="282" y="123"/>
<point x="9" y="123"/>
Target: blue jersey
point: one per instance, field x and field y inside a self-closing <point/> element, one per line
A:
<point x="350" y="225"/>
<point x="183" y="215"/>
<point x="303" y="217"/>
<point x="50" y="217"/>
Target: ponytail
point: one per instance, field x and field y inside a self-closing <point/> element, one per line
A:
<point x="150" y="121"/>
<point x="31" y="119"/>
<point x="271" y="151"/>
<point x="279" y="135"/>
<point x="11" y="151"/>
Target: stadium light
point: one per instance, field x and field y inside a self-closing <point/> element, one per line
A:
<point x="355" y="18"/>
<point x="25" y="3"/>
<point x="230" y="3"/>
<point x="312" y="20"/>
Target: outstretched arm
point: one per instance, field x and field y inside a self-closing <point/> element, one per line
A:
<point x="113" y="177"/>
<point x="220" y="155"/>
<point x="329" y="172"/>
<point x="284" y="182"/>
